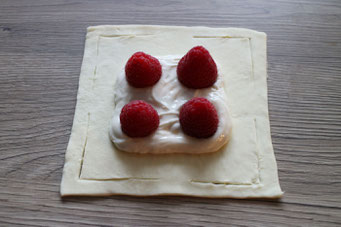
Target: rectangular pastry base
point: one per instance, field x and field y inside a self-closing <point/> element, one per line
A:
<point x="245" y="168"/>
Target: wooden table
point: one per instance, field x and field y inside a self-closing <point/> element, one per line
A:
<point x="41" y="49"/>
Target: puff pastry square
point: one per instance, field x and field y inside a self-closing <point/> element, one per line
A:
<point x="244" y="168"/>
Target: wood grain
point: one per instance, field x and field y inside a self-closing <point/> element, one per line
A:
<point x="41" y="48"/>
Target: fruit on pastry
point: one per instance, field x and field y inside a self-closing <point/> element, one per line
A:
<point x="198" y="118"/>
<point x="142" y="70"/>
<point x="197" y="69"/>
<point x="139" y="119"/>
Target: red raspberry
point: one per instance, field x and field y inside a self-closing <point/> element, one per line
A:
<point x="139" y="119"/>
<point x="142" y="70"/>
<point x="197" y="69"/>
<point x="199" y="118"/>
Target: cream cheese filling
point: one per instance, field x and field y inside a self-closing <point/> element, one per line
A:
<point x="167" y="96"/>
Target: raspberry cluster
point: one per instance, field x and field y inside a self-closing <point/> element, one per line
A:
<point x="198" y="117"/>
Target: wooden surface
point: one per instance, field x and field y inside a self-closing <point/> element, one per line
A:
<point x="41" y="48"/>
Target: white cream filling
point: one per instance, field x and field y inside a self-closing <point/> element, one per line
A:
<point x="167" y="96"/>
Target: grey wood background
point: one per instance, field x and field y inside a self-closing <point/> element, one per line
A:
<point x="41" y="48"/>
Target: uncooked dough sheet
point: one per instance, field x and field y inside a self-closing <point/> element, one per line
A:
<point x="246" y="167"/>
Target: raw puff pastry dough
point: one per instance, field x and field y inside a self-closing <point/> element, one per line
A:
<point x="245" y="168"/>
